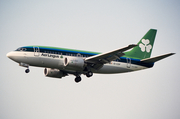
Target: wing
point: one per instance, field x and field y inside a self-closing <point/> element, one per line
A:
<point x="97" y="61"/>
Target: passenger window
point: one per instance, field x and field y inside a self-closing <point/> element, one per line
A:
<point x="23" y="49"/>
<point x="78" y="55"/>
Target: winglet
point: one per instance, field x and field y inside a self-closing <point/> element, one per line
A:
<point x="155" y="59"/>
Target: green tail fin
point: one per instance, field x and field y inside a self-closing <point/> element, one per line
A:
<point x="144" y="48"/>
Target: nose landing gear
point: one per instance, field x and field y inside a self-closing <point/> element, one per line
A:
<point x="25" y="65"/>
<point x="27" y="70"/>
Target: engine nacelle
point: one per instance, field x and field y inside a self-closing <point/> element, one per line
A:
<point x="55" y="73"/>
<point x="74" y="63"/>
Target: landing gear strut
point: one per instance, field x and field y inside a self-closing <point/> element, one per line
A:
<point x="77" y="79"/>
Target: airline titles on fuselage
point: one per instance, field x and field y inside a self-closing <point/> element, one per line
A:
<point x="60" y="55"/>
<point x="50" y="55"/>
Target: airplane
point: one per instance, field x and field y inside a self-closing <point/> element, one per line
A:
<point x="60" y="62"/>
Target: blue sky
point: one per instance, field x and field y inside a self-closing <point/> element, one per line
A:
<point x="98" y="26"/>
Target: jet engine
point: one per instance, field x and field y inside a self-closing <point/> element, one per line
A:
<point x="74" y="63"/>
<point x="55" y="73"/>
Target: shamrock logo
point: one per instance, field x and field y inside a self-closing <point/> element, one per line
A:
<point x="145" y="46"/>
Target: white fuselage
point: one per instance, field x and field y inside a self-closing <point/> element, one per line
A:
<point x="56" y="61"/>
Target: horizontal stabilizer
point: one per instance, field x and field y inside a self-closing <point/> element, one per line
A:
<point x="155" y="59"/>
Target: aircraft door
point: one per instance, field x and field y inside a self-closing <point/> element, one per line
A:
<point x="128" y="62"/>
<point x="36" y="51"/>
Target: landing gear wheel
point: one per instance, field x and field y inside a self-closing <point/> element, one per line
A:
<point x="78" y="79"/>
<point x="27" y="70"/>
<point x="89" y="74"/>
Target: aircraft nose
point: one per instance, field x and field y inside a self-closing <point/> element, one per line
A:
<point x="9" y="55"/>
<point x="14" y="56"/>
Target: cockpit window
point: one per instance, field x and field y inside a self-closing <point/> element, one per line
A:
<point x="21" y="49"/>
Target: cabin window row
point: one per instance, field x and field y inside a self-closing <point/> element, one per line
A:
<point x="67" y="54"/>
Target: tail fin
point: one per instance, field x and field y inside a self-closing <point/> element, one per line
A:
<point x="144" y="48"/>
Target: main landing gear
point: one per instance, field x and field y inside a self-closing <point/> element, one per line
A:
<point x="78" y="78"/>
<point x="89" y="74"/>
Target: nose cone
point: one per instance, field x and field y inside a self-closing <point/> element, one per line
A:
<point x="15" y="56"/>
<point x="9" y="55"/>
